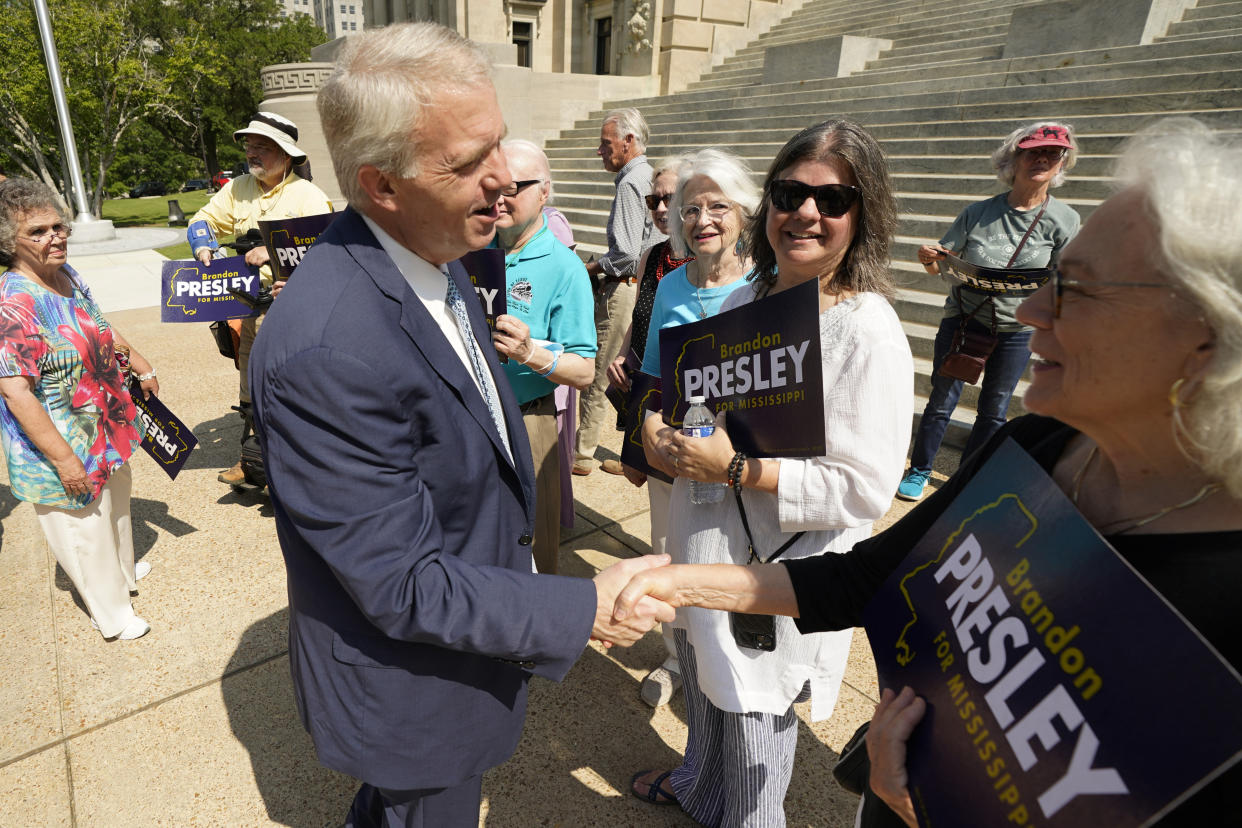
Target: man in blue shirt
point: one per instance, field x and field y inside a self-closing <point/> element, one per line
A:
<point x="548" y="333"/>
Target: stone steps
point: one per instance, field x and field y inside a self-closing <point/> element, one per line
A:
<point x="939" y="102"/>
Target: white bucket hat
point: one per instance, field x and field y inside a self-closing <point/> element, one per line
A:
<point x="281" y="130"/>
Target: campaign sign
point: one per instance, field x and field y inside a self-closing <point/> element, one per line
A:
<point x="1048" y="666"/>
<point x="759" y="362"/>
<point x="193" y="292"/>
<point x="287" y="240"/>
<point x="486" y="269"/>
<point x="644" y="396"/>
<point x="621" y="399"/>
<point x="168" y="440"/>
<point x="1014" y="281"/>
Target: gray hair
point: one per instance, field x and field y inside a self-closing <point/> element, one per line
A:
<point x="373" y="101"/>
<point x="1005" y="158"/>
<point x="1190" y="177"/>
<point x="630" y="121"/>
<point x="532" y="150"/>
<point x="18" y="198"/>
<point x="668" y="164"/>
<point x="729" y="172"/>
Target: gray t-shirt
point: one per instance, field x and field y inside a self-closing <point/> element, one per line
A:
<point x="987" y="232"/>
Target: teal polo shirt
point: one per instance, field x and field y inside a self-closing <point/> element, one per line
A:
<point x="548" y="288"/>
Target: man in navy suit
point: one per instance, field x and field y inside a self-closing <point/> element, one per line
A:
<point x="398" y="467"/>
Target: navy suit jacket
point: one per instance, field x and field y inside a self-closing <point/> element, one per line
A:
<point x="414" y="617"/>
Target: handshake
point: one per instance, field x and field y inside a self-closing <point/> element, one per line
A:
<point x="631" y="599"/>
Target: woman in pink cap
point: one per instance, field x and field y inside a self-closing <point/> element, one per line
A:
<point x="1023" y="228"/>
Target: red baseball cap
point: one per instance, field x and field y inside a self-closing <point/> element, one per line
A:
<point x="1047" y="136"/>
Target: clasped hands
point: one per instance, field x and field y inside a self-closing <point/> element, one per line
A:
<point x="705" y="459"/>
<point x="642" y="611"/>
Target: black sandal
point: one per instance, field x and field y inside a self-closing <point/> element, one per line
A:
<point x="656" y="794"/>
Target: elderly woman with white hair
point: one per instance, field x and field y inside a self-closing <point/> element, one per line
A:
<point x="1024" y="227"/>
<point x="827" y="216"/>
<point x="1136" y="404"/>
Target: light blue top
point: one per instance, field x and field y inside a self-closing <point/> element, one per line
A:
<point x="677" y="302"/>
<point x="548" y="289"/>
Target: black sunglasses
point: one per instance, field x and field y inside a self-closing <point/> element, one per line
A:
<point x="832" y="200"/>
<point x="654" y="201"/>
<point x="517" y="186"/>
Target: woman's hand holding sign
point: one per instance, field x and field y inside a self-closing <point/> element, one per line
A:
<point x="929" y="254"/>
<point x="894" y="721"/>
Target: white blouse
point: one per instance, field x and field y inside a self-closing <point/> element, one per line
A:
<point x="868" y="408"/>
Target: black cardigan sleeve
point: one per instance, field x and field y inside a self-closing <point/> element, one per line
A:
<point x="833" y="589"/>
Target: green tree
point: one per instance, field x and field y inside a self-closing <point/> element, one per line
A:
<point x="188" y="69"/>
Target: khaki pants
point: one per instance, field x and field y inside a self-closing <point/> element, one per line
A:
<point x="540" y="421"/>
<point x="614" y="307"/>
<point x="250" y="327"/>
<point x="95" y="547"/>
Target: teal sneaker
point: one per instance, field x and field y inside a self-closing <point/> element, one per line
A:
<point x="912" y="485"/>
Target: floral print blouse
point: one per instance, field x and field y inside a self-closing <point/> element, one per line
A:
<point x="66" y="345"/>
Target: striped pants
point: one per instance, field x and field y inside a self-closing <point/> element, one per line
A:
<point x="737" y="765"/>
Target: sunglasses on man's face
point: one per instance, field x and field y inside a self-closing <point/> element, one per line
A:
<point x="832" y="200"/>
<point x="654" y="201"/>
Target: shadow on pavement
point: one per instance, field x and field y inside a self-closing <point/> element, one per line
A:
<point x="296" y="789"/>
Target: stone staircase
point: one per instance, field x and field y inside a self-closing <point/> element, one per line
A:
<point x="939" y="101"/>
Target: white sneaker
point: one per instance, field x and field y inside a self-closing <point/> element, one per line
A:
<point x="659" y="686"/>
<point x="136" y="628"/>
<point x="141" y="570"/>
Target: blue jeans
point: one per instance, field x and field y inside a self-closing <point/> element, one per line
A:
<point x="1000" y="376"/>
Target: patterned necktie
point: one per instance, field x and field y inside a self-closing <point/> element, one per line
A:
<point x="481" y="373"/>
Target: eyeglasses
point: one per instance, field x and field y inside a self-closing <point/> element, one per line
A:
<point x="517" y="187"/>
<point x="60" y="231"/>
<point x="715" y="212"/>
<point x="654" y="201"/>
<point x="832" y="200"/>
<point x="1052" y="154"/>
<point x="1060" y="283"/>
<point x="262" y="148"/>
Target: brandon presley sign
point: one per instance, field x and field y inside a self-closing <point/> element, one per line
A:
<point x="760" y="363"/>
<point x="1061" y="689"/>
<point x="287" y="240"/>
<point x="193" y="292"/>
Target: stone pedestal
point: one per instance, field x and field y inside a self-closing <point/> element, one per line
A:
<point x="94" y="230"/>
<point x="831" y="57"/>
<point x="289" y="90"/>
<point x="1082" y="25"/>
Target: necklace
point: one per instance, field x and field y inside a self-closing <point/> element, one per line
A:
<point x="1118" y="527"/>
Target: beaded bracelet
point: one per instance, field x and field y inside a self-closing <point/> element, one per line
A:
<point x="145" y="377"/>
<point x="736" y="466"/>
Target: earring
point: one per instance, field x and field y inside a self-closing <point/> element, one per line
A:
<point x="1175" y="393"/>
<point x="738" y="248"/>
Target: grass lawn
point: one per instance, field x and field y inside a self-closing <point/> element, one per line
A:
<point x="152" y="211"/>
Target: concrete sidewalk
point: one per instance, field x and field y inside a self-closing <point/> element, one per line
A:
<point x="195" y="724"/>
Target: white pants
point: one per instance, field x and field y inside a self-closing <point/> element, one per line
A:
<point x="95" y="547"/>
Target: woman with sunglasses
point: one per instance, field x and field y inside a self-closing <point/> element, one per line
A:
<point x="1024" y="227"/>
<point x="827" y="215"/>
<point x="68" y="423"/>
<point x="1136" y="401"/>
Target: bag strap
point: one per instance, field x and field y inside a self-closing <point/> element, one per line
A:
<point x="751" y="554"/>
<point x="1027" y="235"/>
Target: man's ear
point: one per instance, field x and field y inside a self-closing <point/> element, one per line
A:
<point x="379" y="187"/>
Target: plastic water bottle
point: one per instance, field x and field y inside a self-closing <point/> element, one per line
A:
<point x="699" y="422"/>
